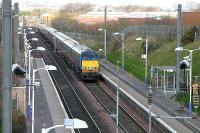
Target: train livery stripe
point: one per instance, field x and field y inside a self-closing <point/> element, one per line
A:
<point x="89" y="71"/>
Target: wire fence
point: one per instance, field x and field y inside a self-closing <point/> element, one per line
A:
<point x="162" y="31"/>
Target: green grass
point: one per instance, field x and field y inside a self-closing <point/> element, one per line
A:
<point x="183" y="98"/>
<point x="132" y="65"/>
<point x="1" y="126"/>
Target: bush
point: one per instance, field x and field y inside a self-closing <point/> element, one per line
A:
<point x="183" y="98"/>
<point x="153" y="44"/>
<point x="19" y="124"/>
<point x="18" y="119"/>
<point x="189" y="36"/>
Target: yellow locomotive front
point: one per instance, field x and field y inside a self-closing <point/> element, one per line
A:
<point x="89" y="65"/>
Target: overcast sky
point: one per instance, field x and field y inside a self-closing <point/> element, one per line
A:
<point x="137" y="2"/>
<point x="167" y="4"/>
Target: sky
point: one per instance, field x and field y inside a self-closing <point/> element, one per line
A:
<point x="166" y="4"/>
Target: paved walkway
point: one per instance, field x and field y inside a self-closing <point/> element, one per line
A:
<point x="49" y="110"/>
<point x="161" y="107"/>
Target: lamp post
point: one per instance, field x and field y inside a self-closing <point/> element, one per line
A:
<point x="117" y="105"/>
<point x="105" y="51"/>
<point x="46" y="67"/>
<point x="68" y="123"/>
<point x="29" y="78"/>
<point x="150" y="98"/>
<point x="122" y="43"/>
<point x="145" y="57"/>
<point x="25" y="42"/>
<point x="190" y="55"/>
<point x="27" y="47"/>
<point x="26" y="51"/>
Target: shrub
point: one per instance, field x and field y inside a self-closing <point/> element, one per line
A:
<point x="18" y="119"/>
<point x="19" y="123"/>
<point x="153" y="44"/>
<point x="189" y="36"/>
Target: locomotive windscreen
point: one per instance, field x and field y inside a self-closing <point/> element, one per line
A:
<point x="89" y="55"/>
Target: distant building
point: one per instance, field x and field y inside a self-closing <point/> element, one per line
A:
<point x="161" y="18"/>
<point x="98" y="17"/>
<point x="191" y="18"/>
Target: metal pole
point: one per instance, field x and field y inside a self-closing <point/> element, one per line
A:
<point x="33" y="101"/>
<point x="105" y="17"/>
<point x="117" y="105"/>
<point x="122" y="51"/>
<point x="190" y="102"/>
<point x="174" y="81"/>
<point x="150" y="102"/>
<point x="150" y="97"/>
<point x="25" y="53"/>
<point x="149" y="118"/>
<point x="29" y="87"/>
<point x="146" y="46"/>
<point x="164" y="84"/>
<point x="187" y="79"/>
<point x="105" y="33"/>
<point x="7" y="63"/>
<point x="178" y="44"/>
<point x="105" y="51"/>
<point x="26" y="67"/>
<point x="54" y="42"/>
<point x="74" y="27"/>
<point x="16" y="37"/>
<point x="157" y="78"/>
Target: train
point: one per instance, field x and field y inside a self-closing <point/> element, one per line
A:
<point x="83" y="60"/>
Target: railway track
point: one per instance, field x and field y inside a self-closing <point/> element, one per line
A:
<point x="72" y="102"/>
<point x="126" y="122"/>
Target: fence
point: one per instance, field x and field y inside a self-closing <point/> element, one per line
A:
<point x="162" y="31"/>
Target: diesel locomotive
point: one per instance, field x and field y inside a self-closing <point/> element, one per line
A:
<point x="83" y="60"/>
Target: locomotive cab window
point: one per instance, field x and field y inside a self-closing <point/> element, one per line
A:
<point x="89" y="56"/>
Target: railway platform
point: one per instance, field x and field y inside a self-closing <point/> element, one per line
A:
<point x="49" y="110"/>
<point x="161" y="106"/>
